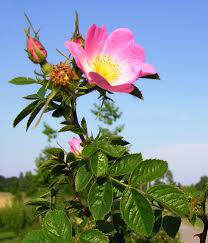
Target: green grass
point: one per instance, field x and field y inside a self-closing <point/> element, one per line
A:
<point x="15" y="240"/>
<point x="8" y="237"/>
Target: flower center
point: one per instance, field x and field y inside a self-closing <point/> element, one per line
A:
<point x="106" y="67"/>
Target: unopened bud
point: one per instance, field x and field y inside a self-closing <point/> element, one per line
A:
<point x="79" y="40"/>
<point x="36" y="51"/>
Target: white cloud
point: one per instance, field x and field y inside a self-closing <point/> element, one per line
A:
<point x="187" y="161"/>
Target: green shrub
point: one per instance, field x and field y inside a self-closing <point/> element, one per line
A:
<point x="17" y="217"/>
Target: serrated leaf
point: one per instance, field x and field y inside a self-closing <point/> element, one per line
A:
<point x="48" y="164"/>
<point x="148" y="170"/>
<point x="73" y="128"/>
<point x="55" y="152"/>
<point x="22" y="81"/>
<point x="89" y="150"/>
<point x="171" y="198"/>
<point x="100" y="199"/>
<point x="82" y="178"/>
<point x="125" y="165"/>
<point x="137" y="212"/>
<point x="171" y="225"/>
<point x="25" y="112"/>
<point x="93" y="236"/>
<point x="117" y="140"/>
<point x="34" y="113"/>
<point x="99" y="164"/>
<point x="57" y="226"/>
<point x="36" y="236"/>
<point x="115" y="151"/>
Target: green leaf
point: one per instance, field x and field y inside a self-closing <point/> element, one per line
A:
<point x="48" y="164"/>
<point x="158" y="221"/>
<point x="137" y="93"/>
<point x="84" y="124"/>
<point x="25" y="112"/>
<point x="22" y="81"/>
<point x="100" y="199"/>
<point x="55" y="152"/>
<point x="148" y="170"/>
<point x="38" y="202"/>
<point x="57" y="226"/>
<point x="171" y="198"/>
<point x="137" y="212"/>
<point x="82" y="178"/>
<point x="89" y="150"/>
<point x="70" y="157"/>
<point x="153" y="76"/>
<point x="34" y="113"/>
<point x="99" y="164"/>
<point x="73" y="128"/>
<point x="36" y="236"/>
<point x="118" y="140"/>
<point x="105" y="227"/>
<point x="171" y="225"/>
<point x="32" y="97"/>
<point x="93" y="236"/>
<point x="58" y="112"/>
<point x="41" y="92"/>
<point x="57" y="169"/>
<point x="125" y="165"/>
<point x="116" y="151"/>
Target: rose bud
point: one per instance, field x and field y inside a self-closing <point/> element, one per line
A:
<point x="77" y="37"/>
<point x="79" y="40"/>
<point x="75" y="146"/>
<point x="36" y="51"/>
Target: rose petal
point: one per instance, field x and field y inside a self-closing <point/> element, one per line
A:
<point x="101" y="82"/>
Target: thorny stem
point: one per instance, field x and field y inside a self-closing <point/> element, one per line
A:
<point x="203" y="235"/>
<point x="75" y="118"/>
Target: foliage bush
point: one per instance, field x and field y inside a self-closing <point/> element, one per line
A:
<point x="17" y="218"/>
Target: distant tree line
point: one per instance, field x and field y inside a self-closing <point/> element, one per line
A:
<point x="27" y="183"/>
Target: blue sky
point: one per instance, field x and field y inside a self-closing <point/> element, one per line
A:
<point x="170" y="123"/>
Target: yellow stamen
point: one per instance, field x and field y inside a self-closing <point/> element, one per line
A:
<point x="106" y="67"/>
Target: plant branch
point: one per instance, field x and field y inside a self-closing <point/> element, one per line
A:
<point x="204" y="219"/>
<point x="119" y="182"/>
<point x="75" y="118"/>
<point x="203" y="235"/>
<point x="31" y="26"/>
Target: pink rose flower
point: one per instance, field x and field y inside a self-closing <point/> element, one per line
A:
<point x="113" y="62"/>
<point x="75" y="146"/>
<point x="36" y="50"/>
